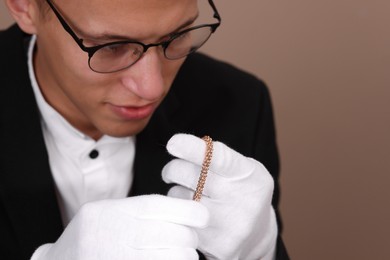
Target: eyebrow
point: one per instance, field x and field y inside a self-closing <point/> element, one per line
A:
<point x="113" y="37"/>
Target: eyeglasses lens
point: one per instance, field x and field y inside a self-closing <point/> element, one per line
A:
<point x="114" y="57"/>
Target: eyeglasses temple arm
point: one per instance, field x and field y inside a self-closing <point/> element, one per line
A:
<point x="66" y="26"/>
<point x="216" y="13"/>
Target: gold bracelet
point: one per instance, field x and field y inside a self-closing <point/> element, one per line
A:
<point x="205" y="168"/>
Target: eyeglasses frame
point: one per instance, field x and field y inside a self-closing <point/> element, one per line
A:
<point x="93" y="49"/>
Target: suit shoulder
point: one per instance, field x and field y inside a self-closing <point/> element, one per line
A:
<point x="218" y="69"/>
<point x="9" y="36"/>
<point x="209" y="74"/>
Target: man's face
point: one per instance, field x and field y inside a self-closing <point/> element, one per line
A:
<point x="120" y="103"/>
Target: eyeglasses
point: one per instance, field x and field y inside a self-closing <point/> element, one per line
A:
<point x="119" y="55"/>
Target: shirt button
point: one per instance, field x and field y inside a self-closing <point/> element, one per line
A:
<point x="93" y="154"/>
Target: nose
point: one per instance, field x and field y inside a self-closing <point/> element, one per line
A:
<point x="145" y="78"/>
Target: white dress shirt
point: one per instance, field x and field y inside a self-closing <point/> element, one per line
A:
<point x="83" y="169"/>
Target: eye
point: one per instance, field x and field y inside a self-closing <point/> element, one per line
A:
<point x="182" y="37"/>
<point x="121" y="50"/>
<point x="115" y="48"/>
<point x="136" y="50"/>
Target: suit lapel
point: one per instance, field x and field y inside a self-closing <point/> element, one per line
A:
<point x="26" y="185"/>
<point x="151" y="154"/>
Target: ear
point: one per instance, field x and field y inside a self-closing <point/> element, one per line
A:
<point x="25" y="13"/>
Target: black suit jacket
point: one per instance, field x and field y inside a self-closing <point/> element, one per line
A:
<point x="207" y="97"/>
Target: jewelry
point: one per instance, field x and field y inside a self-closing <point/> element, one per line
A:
<point x="205" y="168"/>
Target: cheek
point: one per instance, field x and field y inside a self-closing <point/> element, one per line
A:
<point x="75" y="63"/>
<point x="69" y="67"/>
<point x="75" y="73"/>
<point x="66" y="55"/>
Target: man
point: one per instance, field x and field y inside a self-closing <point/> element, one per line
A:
<point x="92" y="92"/>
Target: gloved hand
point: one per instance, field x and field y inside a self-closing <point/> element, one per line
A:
<point x="237" y="193"/>
<point x="143" y="227"/>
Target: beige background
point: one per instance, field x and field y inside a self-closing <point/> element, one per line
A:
<point x="327" y="64"/>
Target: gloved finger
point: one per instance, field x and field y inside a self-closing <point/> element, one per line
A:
<point x="225" y="161"/>
<point x="127" y="253"/>
<point x="162" y="208"/>
<point x="165" y="254"/>
<point x="146" y="234"/>
<point x="180" y="192"/>
<point x="186" y="174"/>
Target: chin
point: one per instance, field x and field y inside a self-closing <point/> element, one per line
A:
<point x="129" y="129"/>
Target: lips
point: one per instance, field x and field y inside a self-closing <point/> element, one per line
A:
<point x="133" y="112"/>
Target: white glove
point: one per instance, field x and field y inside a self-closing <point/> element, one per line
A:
<point x="143" y="227"/>
<point x="237" y="193"/>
